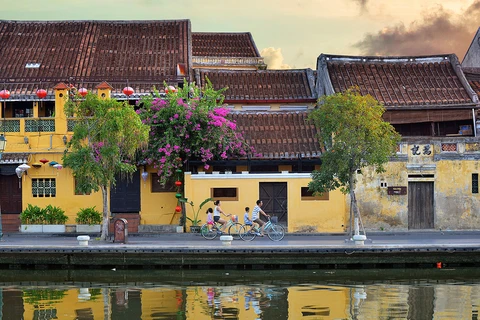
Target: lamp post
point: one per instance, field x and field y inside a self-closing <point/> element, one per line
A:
<point x="3" y="144"/>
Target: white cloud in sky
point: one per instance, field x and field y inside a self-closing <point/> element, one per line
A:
<point x="274" y="58"/>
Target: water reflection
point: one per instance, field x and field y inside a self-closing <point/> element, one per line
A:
<point x="153" y="294"/>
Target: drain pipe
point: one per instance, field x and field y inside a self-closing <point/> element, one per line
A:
<point x="474" y="123"/>
<point x="51" y="137"/>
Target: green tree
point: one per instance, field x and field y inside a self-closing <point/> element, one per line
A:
<point x="106" y="138"/>
<point x="353" y="135"/>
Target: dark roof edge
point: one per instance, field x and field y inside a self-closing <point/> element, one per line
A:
<point x="394" y="59"/>
<point x="457" y="68"/>
<point x="93" y="21"/>
<point x="293" y="100"/>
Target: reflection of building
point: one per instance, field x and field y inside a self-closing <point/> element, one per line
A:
<point x="432" y="183"/>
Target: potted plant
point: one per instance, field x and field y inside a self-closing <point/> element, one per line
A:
<point x="55" y="220"/>
<point x="50" y="219"/>
<point x="195" y="227"/>
<point x="88" y="220"/>
<point x="32" y="219"/>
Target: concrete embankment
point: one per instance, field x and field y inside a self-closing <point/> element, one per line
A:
<point x="193" y="252"/>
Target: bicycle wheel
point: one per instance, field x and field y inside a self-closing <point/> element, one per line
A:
<point x="276" y="232"/>
<point x="246" y="234"/>
<point x="234" y="230"/>
<point x="208" y="234"/>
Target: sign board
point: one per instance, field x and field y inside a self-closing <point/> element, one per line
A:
<point x="396" y="191"/>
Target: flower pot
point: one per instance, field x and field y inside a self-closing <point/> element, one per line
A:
<point x="31" y="228"/>
<point x="195" y="229"/>
<point x="88" y="228"/>
<point x="53" y="228"/>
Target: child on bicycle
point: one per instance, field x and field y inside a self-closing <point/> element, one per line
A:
<point x="247" y="221"/>
<point x="209" y="218"/>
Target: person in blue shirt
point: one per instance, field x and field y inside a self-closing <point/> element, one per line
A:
<point x="246" y="218"/>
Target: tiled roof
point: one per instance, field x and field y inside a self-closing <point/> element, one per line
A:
<point x="400" y="81"/>
<point x="277" y="135"/>
<point x="261" y="86"/>
<point x="14" y="158"/>
<point x="473" y="77"/>
<point x="215" y="44"/>
<point x="92" y="51"/>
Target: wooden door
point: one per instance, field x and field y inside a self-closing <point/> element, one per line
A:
<point x="125" y="196"/>
<point x="420" y="205"/>
<point x="10" y="194"/>
<point x="274" y="197"/>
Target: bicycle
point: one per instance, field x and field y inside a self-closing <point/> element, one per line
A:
<point x="231" y="225"/>
<point x="274" y="231"/>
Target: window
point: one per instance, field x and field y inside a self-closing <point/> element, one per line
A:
<point x="308" y="195"/>
<point x="44" y="188"/>
<point x="474" y="182"/>
<point x="77" y="193"/>
<point x="227" y="194"/>
<point x="157" y="187"/>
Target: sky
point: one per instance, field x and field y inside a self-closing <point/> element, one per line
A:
<point x="293" y="33"/>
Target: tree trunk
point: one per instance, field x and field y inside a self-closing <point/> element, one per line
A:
<point x="106" y="214"/>
<point x="353" y="206"/>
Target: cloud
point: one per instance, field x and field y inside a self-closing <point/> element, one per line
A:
<point x="274" y="58"/>
<point x="439" y="31"/>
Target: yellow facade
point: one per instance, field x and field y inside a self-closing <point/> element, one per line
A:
<point x="449" y="164"/>
<point x="303" y="215"/>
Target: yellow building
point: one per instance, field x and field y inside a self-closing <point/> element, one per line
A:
<point x="270" y="106"/>
<point x="432" y="182"/>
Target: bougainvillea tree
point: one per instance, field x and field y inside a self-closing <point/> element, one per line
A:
<point x="105" y="141"/>
<point x="188" y="123"/>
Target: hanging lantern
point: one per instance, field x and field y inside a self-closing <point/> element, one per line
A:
<point x="24" y="167"/>
<point x="128" y="91"/>
<point x="4" y="94"/>
<point x="58" y="166"/>
<point x="41" y="93"/>
<point x="144" y="176"/>
<point x="178" y="183"/>
<point x="83" y="92"/>
<point x="178" y="209"/>
<point x="19" y="172"/>
<point x="43" y="160"/>
<point x="52" y="163"/>
<point x="36" y="165"/>
<point x="178" y="195"/>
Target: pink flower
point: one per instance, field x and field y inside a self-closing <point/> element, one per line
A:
<point x="206" y="166"/>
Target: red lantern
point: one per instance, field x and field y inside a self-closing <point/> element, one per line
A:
<point x="4" y="94"/>
<point x="128" y="91"/>
<point x="41" y="93"/>
<point x="178" y="209"/>
<point x="83" y="92"/>
<point x="178" y="183"/>
<point x="43" y="160"/>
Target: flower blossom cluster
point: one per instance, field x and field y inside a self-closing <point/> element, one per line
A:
<point x="188" y="123"/>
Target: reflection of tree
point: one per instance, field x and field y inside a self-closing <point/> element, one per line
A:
<point x="47" y="296"/>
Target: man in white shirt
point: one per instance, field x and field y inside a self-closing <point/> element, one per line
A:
<point x="256" y="216"/>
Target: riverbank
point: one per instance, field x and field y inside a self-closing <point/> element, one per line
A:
<point x="191" y="251"/>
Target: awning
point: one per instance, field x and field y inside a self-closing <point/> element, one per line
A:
<point x="14" y="158"/>
<point x="416" y="116"/>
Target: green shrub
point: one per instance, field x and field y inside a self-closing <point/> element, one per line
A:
<point x="33" y="215"/>
<point x="88" y="216"/>
<point x="55" y="215"/>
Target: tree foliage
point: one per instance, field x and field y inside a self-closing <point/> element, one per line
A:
<point x="353" y="135"/>
<point x="188" y="123"/>
<point x="107" y="135"/>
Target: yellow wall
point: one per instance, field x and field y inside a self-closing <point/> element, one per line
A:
<point x="323" y="216"/>
<point x="455" y="206"/>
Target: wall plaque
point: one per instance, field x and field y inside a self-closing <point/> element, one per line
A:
<point x="396" y="191"/>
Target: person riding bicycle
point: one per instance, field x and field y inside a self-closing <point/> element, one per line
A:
<point x="216" y="214"/>
<point x="256" y="216"/>
<point x="209" y="218"/>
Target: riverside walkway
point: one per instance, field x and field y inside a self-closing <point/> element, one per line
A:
<point x="295" y="251"/>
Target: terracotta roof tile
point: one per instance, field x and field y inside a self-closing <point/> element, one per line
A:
<point x="399" y="81"/>
<point x="55" y="51"/>
<point x="279" y="134"/>
<point x="261" y="85"/>
<point x="14" y="158"/>
<point x="217" y="44"/>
